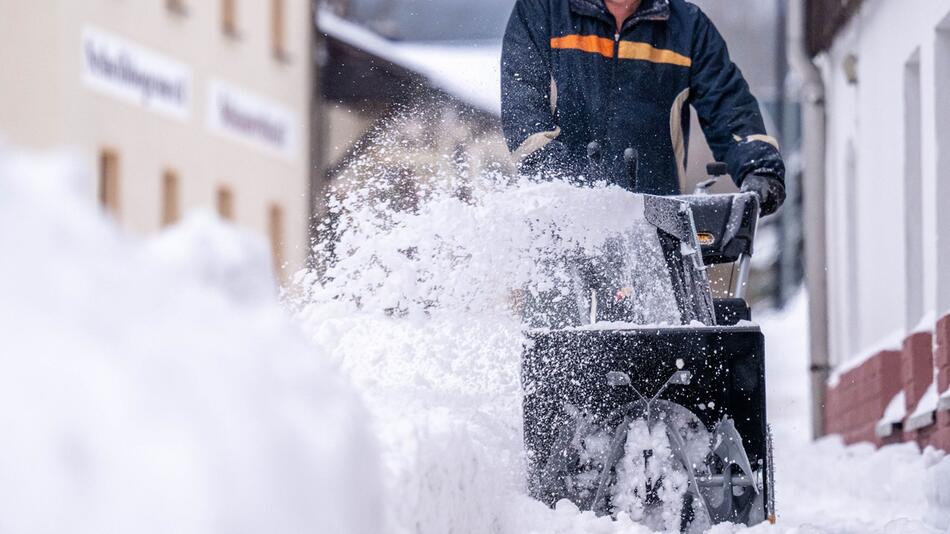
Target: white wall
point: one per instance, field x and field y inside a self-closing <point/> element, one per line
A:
<point x="941" y="114"/>
<point x="887" y="269"/>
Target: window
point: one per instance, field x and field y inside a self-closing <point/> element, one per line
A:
<point x="171" y="210"/>
<point x="913" y="194"/>
<point x="278" y="36"/>
<point x="177" y="6"/>
<point x="229" y="17"/>
<point x="275" y="228"/>
<point x="109" y="181"/>
<point x="225" y="203"/>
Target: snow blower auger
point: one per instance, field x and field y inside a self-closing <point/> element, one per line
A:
<point x="664" y="423"/>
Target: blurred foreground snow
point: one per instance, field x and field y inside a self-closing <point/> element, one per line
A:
<point x="160" y="388"/>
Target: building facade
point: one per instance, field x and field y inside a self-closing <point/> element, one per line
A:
<point x="885" y="68"/>
<point x="173" y="104"/>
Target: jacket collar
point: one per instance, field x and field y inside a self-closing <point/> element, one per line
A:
<point x="649" y="10"/>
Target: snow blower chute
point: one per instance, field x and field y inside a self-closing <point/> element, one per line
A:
<point x="664" y="423"/>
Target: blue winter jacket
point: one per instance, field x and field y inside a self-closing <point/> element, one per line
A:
<point x="569" y="78"/>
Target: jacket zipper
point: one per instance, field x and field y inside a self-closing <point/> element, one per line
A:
<point x="610" y="93"/>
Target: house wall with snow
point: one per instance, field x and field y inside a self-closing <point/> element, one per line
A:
<point x="887" y="76"/>
<point x="173" y="105"/>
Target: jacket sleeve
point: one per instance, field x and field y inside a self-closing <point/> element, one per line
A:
<point x="729" y="114"/>
<point x="527" y="110"/>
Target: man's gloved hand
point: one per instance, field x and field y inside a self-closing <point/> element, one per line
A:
<point x="769" y="189"/>
<point x="551" y="160"/>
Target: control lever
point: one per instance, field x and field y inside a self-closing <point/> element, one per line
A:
<point x="715" y="170"/>
<point x="594" y="153"/>
<point x="595" y="156"/>
<point x="631" y="160"/>
<point x="702" y="188"/>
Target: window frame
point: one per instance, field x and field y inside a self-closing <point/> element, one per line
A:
<point x="224" y="203"/>
<point x="171" y="197"/>
<point x="109" y="192"/>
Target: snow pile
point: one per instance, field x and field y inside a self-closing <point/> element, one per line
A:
<point x="160" y="388"/>
<point x="211" y="253"/>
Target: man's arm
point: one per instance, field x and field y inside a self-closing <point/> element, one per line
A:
<point x="527" y="110"/>
<point x="731" y="118"/>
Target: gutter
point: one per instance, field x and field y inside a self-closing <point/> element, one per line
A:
<point x="813" y="158"/>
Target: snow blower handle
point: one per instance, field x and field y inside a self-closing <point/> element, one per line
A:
<point x="595" y="161"/>
<point x="631" y="162"/>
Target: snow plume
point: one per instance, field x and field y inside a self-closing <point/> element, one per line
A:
<point x="160" y="388"/>
<point x="421" y="306"/>
<point x="432" y="251"/>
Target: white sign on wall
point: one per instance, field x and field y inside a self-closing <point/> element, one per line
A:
<point x="242" y="116"/>
<point x="125" y="70"/>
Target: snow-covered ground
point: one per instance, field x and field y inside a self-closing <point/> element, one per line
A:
<point x="158" y="386"/>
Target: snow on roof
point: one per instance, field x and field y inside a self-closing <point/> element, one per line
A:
<point x="470" y="72"/>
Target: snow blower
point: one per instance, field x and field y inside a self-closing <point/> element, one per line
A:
<point x="665" y="423"/>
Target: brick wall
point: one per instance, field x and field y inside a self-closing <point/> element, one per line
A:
<point x="856" y="404"/>
<point x="941" y="437"/>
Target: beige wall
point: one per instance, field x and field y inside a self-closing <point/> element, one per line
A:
<point x="45" y="103"/>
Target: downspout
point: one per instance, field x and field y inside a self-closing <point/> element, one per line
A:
<point x="813" y="200"/>
<point x="316" y="198"/>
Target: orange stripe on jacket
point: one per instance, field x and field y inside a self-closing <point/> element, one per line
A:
<point x="645" y="52"/>
<point x="586" y="43"/>
<point x="627" y="49"/>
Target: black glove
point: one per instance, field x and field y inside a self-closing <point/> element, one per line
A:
<point x="769" y="189"/>
<point x="552" y="161"/>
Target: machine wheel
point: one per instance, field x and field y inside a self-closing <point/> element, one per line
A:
<point x="662" y="466"/>
<point x="623" y="464"/>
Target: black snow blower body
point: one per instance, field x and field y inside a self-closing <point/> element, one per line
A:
<point x="664" y="423"/>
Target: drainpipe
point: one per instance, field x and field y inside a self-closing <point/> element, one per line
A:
<point x="316" y="199"/>
<point x="813" y="200"/>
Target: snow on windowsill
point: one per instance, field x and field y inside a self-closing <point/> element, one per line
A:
<point x="893" y="415"/>
<point x="944" y="404"/>
<point x="924" y="414"/>
<point x="926" y="323"/>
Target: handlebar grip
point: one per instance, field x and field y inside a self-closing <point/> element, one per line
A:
<point x="594" y="152"/>
<point x="631" y="159"/>
<point x="717" y="169"/>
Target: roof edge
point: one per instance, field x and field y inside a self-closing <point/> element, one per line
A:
<point x="824" y="20"/>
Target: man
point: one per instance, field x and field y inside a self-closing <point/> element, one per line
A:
<point x="623" y="74"/>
